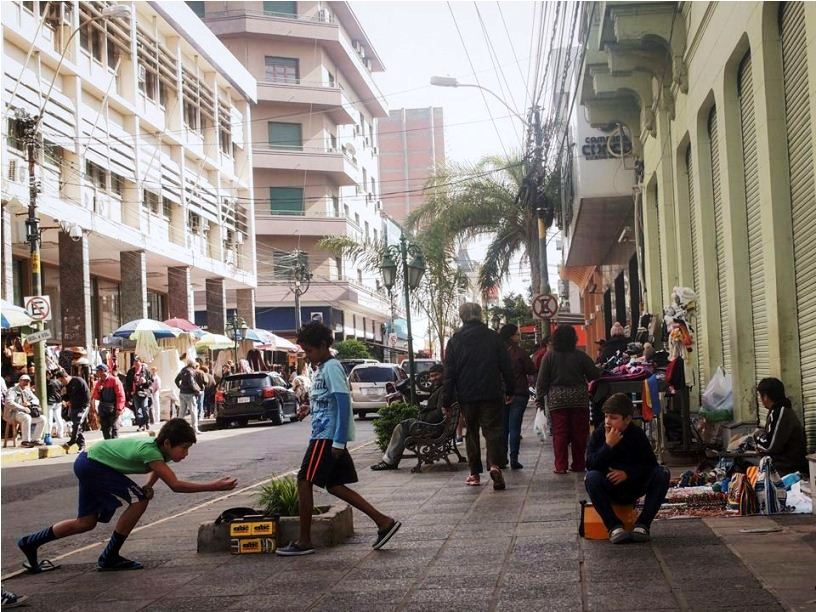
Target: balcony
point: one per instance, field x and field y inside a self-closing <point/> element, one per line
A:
<point x="330" y="100"/>
<point x="308" y="223"/>
<point x="337" y="166"/>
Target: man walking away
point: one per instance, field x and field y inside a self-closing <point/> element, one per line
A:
<point x="110" y="394"/>
<point x="188" y="393"/>
<point x="77" y="397"/>
<point x="514" y="414"/>
<point x="479" y="375"/>
<point x="23" y="408"/>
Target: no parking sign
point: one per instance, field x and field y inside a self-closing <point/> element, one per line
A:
<point x="545" y="306"/>
<point x="39" y="307"/>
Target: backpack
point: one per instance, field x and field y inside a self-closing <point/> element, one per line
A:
<point x="770" y="490"/>
<point x="741" y="496"/>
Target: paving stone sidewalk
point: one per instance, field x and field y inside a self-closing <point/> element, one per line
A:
<point x="460" y="548"/>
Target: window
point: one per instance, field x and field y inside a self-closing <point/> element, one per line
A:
<point x="365" y="177"/>
<point x="371" y="133"/>
<point x="332" y="82"/>
<point x="224" y="129"/>
<point x="286" y="200"/>
<point x="332" y="142"/>
<point x="359" y="276"/>
<point x="151" y="202"/>
<point x="338" y="264"/>
<point x="191" y="114"/>
<point x="335" y="206"/>
<point x="96" y="175"/>
<point x="282" y="69"/>
<point x="346" y="211"/>
<point x="357" y="219"/>
<point x="285" y="136"/>
<point x="376" y="236"/>
<point x="373" y="186"/>
<point x="167" y="209"/>
<point x="366" y="231"/>
<point x="281" y="9"/>
<point x="197" y="7"/>
<point x="117" y="184"/>
<point x="103" y="39"/>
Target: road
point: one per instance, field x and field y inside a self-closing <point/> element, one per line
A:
<point x="39" y="493"/>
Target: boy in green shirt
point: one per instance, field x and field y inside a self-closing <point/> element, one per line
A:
<point x="103" y="484"/>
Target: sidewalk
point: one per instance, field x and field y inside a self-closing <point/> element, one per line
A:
<point x="460" y="548"/>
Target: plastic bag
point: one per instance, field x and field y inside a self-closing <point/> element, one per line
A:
<point x="540" y="425"/>
<point x="718" y="397"/>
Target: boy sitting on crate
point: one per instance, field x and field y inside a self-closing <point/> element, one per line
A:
<point x="621" y="468"/>
<point x="103" y="484"/>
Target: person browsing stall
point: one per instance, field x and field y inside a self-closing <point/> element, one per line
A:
<point x="622" y="467"/>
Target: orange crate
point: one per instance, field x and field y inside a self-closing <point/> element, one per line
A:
<point x="592" y="527"/>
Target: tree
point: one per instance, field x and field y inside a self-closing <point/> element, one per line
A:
<point x="352" y="349"/>
<point x="467" y="201"/>
<point x="514" y="309"/>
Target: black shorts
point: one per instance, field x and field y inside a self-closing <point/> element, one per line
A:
<point x="324" y="470"/>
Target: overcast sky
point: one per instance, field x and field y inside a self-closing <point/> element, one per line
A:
<point x="417" y="40"/>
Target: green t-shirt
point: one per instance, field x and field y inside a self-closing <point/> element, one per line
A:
<point x="126" y="455"/>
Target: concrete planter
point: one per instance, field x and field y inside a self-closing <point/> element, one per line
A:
<point x="329" y="528"/>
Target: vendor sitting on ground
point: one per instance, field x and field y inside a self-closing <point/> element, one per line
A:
<point x="783" y="437"/>
<point x="430" y="415"/>
<point x="622" y="467"/>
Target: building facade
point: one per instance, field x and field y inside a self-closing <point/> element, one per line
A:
<point x="412" y="145"/>
<point x="145" y="166"/>
<point x="719" y="98"/>
<point x="315" y="156"/>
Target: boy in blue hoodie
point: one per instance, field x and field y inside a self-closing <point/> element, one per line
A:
<point x="327" y="462"/>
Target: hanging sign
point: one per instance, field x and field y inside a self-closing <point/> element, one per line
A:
<point x="545" y="306"/>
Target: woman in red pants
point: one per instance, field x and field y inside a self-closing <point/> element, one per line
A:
<point x="562" y="379"/>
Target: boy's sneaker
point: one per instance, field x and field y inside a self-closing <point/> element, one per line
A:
<point x="641" y="534"/>
<point x="294" y="550"/>
<point x="618" y="535"/>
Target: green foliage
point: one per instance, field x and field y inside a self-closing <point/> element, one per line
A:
<point x="352" y="349"/>
<point x="513" y="309"/>
<point x="280" y="496"/>
<point x="389" y="417"/>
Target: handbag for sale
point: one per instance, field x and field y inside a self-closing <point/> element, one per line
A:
<point x="770" y="490"/>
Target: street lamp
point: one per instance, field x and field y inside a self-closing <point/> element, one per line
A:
<point x="412" y="272"/>
<point x="31" y="126"/>
<point x="239" y="331"/>
<point x="442" y="81"/>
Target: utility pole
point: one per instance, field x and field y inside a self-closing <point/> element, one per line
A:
<point x="544" y="211"/>
<point x="299" y="282"/>
<point x="31" y="134"/>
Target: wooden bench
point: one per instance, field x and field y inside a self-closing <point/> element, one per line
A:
<point x="429" y="444"/>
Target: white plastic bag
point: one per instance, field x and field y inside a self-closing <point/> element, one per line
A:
<point x="540" y="425"/>
<point x="718" y="394"/>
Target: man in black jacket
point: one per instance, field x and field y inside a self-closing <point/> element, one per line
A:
<point x="430" y="415"/>
<point x="77" y="397"/>
<point x="479" y="374"/>
<point x="622" y="467"/>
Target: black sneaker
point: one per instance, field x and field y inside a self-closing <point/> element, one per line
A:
<point x="641" y="534"/>
<point x="12" y="600"/>
<point x="515" y="465"/>
<point x="385" y="534"/>
<point x="294" y="550"/>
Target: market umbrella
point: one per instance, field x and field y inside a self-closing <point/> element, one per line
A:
<point x="213" y="342"/>
<point x="282" y="344"/>
<point x="185" y="326"/>
<point x="255" y="335"/>
<point x="159" y="329"/>
<point x="13" y="316"/>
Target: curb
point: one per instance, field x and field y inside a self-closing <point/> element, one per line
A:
<point x="49" y="452"/>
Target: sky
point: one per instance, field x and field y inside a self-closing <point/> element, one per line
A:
<point x="417" y="40"/>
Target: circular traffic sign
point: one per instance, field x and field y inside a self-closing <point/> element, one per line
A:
<point x="545" y="306"/>
<point x="38" y="307"/>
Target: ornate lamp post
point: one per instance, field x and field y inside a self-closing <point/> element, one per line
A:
<point x="239" y="329"/>
<point x="412" y="271"/>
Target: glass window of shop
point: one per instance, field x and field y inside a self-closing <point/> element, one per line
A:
<point x="106" y="310"/>
<point x="156" y="306"/>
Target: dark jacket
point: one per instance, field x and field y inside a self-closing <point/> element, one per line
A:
<point x="186" y="381"/>
<point x="144" y="388"/>
<point x="477" y="366"/>
<point x="633" y="454"/>
<point x="784" y="440"/>
<point x="522" y="368"/>
<point x="54" y="391"/>
<point x="78" y="393"/>
<point x="612" y="346"/>
<point x="432" y="412"/>
<point x="565" y="369"/>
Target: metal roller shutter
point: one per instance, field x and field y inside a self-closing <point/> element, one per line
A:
<point x="719" y="237"/>
<point x="803" y="196"/>
<point x="659" y="233"/>
<point x="753" y="208"/>
<point x="699" y="328"/>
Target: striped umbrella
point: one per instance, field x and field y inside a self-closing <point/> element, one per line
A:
<point x="13" y="316"/>
<point x="159" y="329"/>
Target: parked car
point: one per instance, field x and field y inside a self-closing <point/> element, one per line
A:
<point x="258" y="395"/>
<point x="348" y="364"/>
<point x="423" y="367"/>
<point x="368" y="382"/>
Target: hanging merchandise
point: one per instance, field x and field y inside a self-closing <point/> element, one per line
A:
<point x="770" y="489"/>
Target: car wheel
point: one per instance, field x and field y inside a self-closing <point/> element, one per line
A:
<point x="277" y="416"/>
<point x="424" y="382"/>
<point x="242" y="422"/>
<point x="221" y="423"/>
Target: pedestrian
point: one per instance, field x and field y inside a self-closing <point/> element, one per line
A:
<point x="23" y="408"/>
<point x="137" y="387"/>
<point x="110" y="393"/>
<point x="56" y="425"/>
<point x="77" y="399"/>
<point x="479" y="375"/>
<point x="155" y="397"/>
<point x="615" y="345"/>
<point x="209" y="392"/>
<point x="103" y="485"/>
<point x="514" y="415"/>
<point x="562" y="381"/>
<point x="188" y="393"/>
<point x="622" y="468"/>
<point x="327" y="462"/>
<point x="201" y="379"/>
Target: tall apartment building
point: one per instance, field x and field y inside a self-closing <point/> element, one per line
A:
<point x="146" y="161"/>
<point x="412" y="145"/>
<point x="314" y="155"/>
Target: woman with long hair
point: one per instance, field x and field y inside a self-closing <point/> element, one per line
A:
<point x="563" y="378"/>
<point x="783" y="437"/>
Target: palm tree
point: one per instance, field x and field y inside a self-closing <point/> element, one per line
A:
<point x="468" y="201"/>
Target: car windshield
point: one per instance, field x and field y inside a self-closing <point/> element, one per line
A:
<point x="250" y="382"/>
<point x="278" y="380"/>
<point x="373" y="375"/>
<point x="423" y="366"/>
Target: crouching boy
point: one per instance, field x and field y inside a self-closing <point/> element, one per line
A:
<point x="621" y="468"/>
<point x="103" y="484"/>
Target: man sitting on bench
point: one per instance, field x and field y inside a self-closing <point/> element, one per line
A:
<point x="622" y="467"/>
<point x="431" y="414"/>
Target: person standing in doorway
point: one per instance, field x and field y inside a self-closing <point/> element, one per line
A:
<point x="522" y="368"/>
<point x="479" y="375"/>
<point x="155" y="396"/>
<point x="188" y="393"/>
<point x="110" y="394"/>
<point x="77" y="398"/>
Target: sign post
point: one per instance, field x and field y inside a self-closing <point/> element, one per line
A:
<point x="545" y="306"/>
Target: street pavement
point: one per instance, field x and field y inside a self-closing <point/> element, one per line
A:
<point x="460" y="548"/>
